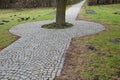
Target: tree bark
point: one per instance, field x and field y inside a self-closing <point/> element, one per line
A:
<point x="61" y="8"/>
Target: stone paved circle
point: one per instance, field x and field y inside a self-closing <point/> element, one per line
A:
<point x="39" y="53"/>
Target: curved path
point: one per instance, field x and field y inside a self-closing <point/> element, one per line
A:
<point x="39" y="53"/>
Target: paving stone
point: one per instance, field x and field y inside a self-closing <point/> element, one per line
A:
<point x="39" y="53"/>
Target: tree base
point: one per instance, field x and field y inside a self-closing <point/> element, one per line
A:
<point x="55" y="26"/>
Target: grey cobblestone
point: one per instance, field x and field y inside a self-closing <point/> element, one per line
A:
<point x="39" y="53"/>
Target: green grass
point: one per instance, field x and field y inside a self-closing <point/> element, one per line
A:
<point x="9" y="15"/>
<point x="107" y="64"/>
<point x="104" y="13"/>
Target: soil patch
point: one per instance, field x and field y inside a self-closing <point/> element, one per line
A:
<point x="90" y="12"/>
<point x="90" y="47"/>
<point x="115" y="41"/>
<point x="23" y="19"/>
<point x="118" y="13"/>
<point x="55" y="26"/>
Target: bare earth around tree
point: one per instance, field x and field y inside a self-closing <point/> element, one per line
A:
<point x="39" y="53"/>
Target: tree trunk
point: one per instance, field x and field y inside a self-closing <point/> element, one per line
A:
<point x="61" y="8"/>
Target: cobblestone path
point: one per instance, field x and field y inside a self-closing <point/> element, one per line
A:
<point x="39" y="53"/>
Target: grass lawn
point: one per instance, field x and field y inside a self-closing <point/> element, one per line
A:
<point x="107" y="64"/>
<point x="95" y="57"/>
<point x="9" y="18"/>
<point x="103" y="65"/>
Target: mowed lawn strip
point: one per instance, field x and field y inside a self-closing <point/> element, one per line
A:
<point x="10" y="18"/>
<point x="95" y="57"/>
